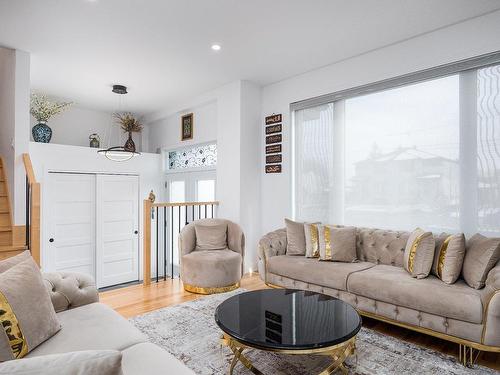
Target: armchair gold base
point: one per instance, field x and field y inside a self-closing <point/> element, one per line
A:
<point x="210" y="290"/>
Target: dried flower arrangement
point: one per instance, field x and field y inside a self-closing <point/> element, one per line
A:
<point x="128" y="122"/>
<point x="42" y="109"/>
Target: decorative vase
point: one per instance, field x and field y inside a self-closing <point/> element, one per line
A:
<point x="95" y="141"/>
<point x="42" y="133"/>
<point x="129" y="145"/>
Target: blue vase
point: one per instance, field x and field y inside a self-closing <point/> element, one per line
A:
<point x="42" y="133"/>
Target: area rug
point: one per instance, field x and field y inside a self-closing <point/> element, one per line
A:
<point x="189" y="332"/>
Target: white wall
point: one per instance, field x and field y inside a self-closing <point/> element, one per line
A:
<point x="250" y="197"/>
<point x="229" y="115"/>
<point x="52" y="157"/>
<point x="7" y="115"/>
<point x="14" y="123"/>
<point x="22" y="130"/>
<point x="73" y="127"/>
<point x="166" y="132"/>
<point x="471" y="38"/>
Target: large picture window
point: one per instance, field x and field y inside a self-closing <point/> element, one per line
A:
<point x="422" y="154"/>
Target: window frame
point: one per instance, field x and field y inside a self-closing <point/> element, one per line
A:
<point x="467" y="71"/>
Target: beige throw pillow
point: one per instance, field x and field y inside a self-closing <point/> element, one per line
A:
<point x="419" y="253"/>
<point x="98" y="362"/>
<point x="12" y="261"/>
<point x="312" y="240"/>
<point x="211" y="236"/>
<point x="449" y="257"/>
<point x="295" y="238"/>
<point x="481" y="255"/>
<point x="26" y="312"/>
<point x="337" y="244"/>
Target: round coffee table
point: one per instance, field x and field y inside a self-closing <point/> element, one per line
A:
<point x="290" y="322"/>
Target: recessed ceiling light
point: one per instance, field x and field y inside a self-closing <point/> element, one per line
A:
<point x="216" y="47"/>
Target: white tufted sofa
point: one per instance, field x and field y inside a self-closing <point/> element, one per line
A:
<point x="378" y="287"/>
<point x="90" y="325"/>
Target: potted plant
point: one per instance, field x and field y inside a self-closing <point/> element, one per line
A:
<point x="129" y="124"/>
<point x="42" y="109"/>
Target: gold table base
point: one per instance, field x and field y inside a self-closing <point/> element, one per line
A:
<point x="338" y="353"/>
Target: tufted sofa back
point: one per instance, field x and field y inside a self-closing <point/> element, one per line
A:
<point x="381" y="246"/>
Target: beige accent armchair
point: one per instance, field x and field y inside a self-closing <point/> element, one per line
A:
<point x="211" y="271"/>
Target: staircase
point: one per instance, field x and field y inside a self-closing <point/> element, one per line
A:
<point x="8" y="245"/>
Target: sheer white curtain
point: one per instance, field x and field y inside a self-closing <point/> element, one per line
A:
<point x="425" y="154"/>
<point x="313" y="162"/>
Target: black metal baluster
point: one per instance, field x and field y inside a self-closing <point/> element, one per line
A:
<point x="164" y="242"/>
<point x="212" y="211"/>
<point x="172" y="240"/>
<point x="205" y="211"/>
<point x="186" y="215"/>
<point x="157" y="222"/>
<point x="199" y="212"/>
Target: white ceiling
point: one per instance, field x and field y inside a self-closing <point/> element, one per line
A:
<point x="161" y="50"/>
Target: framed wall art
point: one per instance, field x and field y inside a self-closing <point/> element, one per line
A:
<point x="187" y="127"/>
<point x="273" y="119"/>
<point x="271" y="129"/>
<point x="273" y="139"/>
<point x="274" y="159"/>
<point x="273" y="149"/>
<point x="273" y="168"/>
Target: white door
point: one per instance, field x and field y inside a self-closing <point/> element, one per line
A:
<point x="117" y="229"/>
<point x="188" y="187"/>
<point x="191" y="186"/>
<point x="70" y="230"/>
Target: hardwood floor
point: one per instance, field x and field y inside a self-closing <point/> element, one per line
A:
<point x="138" y="299"/>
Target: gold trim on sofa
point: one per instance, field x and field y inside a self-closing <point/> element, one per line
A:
<point x="210" y="290"/>
<point x="444" y="336"/>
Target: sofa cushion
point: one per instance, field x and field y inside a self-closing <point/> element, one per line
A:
<point x="310" y="270"/>
<point x="211" y="269"/>
<point x="27" y="317"/>
<point x="481" y="255"/>
<point x="295" y="238"/>
<point x="419" y="253"/>
<point x="90" y="327"/>
<point x="394" y="285"/>
<point x="312" y="240"/>
<point x="337" y="243"/>
<point x="101" y="362"/>
<point x="5" y="264"/>
<point x="449" y="257"/>
<point x="149" y="359"/>
<point x="381" y="246"/>
<point x="211" y="235"/>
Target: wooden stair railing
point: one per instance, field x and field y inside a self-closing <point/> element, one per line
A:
<point x="11" y="235"/>
<point x="184" y="213"/>
<point x="33" y="201"/>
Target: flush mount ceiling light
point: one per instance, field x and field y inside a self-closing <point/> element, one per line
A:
<point x="119" y="153"/>
<point x="216" y="47"/>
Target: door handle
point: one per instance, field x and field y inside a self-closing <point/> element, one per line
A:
<point x="51" y="240"/>
<point x="136" y="232"/>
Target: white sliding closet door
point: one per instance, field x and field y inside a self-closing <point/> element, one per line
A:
<point x="70" y="223"/>
<point x="117" y="224"/>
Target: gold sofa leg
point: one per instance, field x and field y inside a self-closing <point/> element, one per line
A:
<point x="467" y="355"/>
<point x="203" y="290"/>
